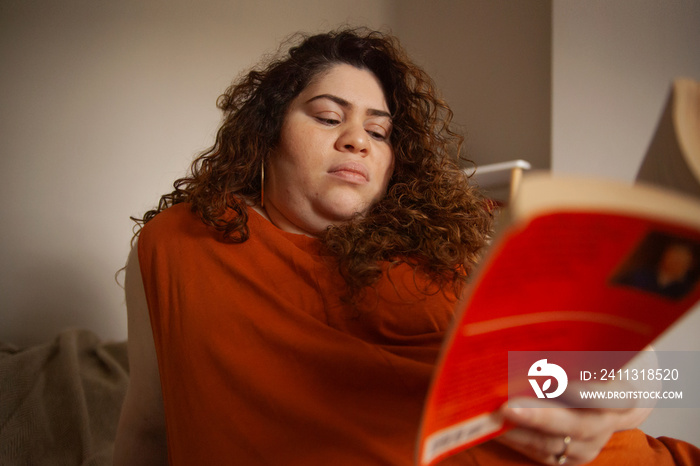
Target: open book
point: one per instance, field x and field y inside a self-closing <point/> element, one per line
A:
<point x="575" y="265"/>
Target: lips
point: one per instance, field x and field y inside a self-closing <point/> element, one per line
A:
<point x="351" y="171"/>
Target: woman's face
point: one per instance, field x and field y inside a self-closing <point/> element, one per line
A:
<point x="334" y="158"/>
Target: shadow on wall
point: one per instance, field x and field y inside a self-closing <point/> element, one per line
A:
<point x="63" y="296"/>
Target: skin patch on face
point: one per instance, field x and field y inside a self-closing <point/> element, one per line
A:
<point x="334" y="159"/>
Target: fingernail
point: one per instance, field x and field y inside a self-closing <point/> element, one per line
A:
<point x="517" y="409"/>
<point x="523" y="409"/>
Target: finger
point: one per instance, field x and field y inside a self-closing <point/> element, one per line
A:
<point x="548" y="449"/>
<point x="545" y="449"/>
<point x="555" y="420"/>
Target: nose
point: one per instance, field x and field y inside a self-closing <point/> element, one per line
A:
<point x="354" y="139"/>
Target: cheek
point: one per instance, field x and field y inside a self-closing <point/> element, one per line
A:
<point x="295" y="164"/>
<point x="389" y="168"/>
<point x="301" y="148"/>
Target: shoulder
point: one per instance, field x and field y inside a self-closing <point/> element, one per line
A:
<point x="171" y="232"/>
<point x="184" y="218"/>
<point x="180" y="229"/>
<point x="177" y="214"/>
<point x="172" y="224"/>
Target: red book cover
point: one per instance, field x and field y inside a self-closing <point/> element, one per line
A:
<point x="573" y="280"/>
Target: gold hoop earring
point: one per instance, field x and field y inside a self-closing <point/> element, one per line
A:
<point x="262" y="185"/>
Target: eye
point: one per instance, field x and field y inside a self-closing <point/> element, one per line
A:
<point x="327" y="121"/>
<point x="327" y="117"/>
<point x="377" y="132"/>
<point x="376" y="135"/>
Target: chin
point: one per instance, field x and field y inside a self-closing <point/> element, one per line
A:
<point x="345" y="206"/>
<point x="340" y="215"/>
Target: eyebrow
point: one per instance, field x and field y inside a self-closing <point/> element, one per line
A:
<point x="344" y="103"/>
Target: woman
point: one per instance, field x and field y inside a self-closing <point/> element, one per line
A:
<point x="291" y="294"/>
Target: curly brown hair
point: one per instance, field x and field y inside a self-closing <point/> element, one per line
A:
<point x="430" y="217"/>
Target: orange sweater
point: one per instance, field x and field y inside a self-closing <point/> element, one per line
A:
<point x="261" y="363"/>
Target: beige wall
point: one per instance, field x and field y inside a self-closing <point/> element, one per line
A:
<point x="613" y="62"/>
<point x="492" y="61"/>
<point x="104" y="104"/>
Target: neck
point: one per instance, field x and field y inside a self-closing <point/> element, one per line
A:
<point x="275" y="217"/>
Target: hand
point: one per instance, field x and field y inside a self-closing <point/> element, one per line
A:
<point x="549" y="433"/>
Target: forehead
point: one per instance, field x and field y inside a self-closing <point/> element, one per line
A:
<point x="357" y="86"/>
